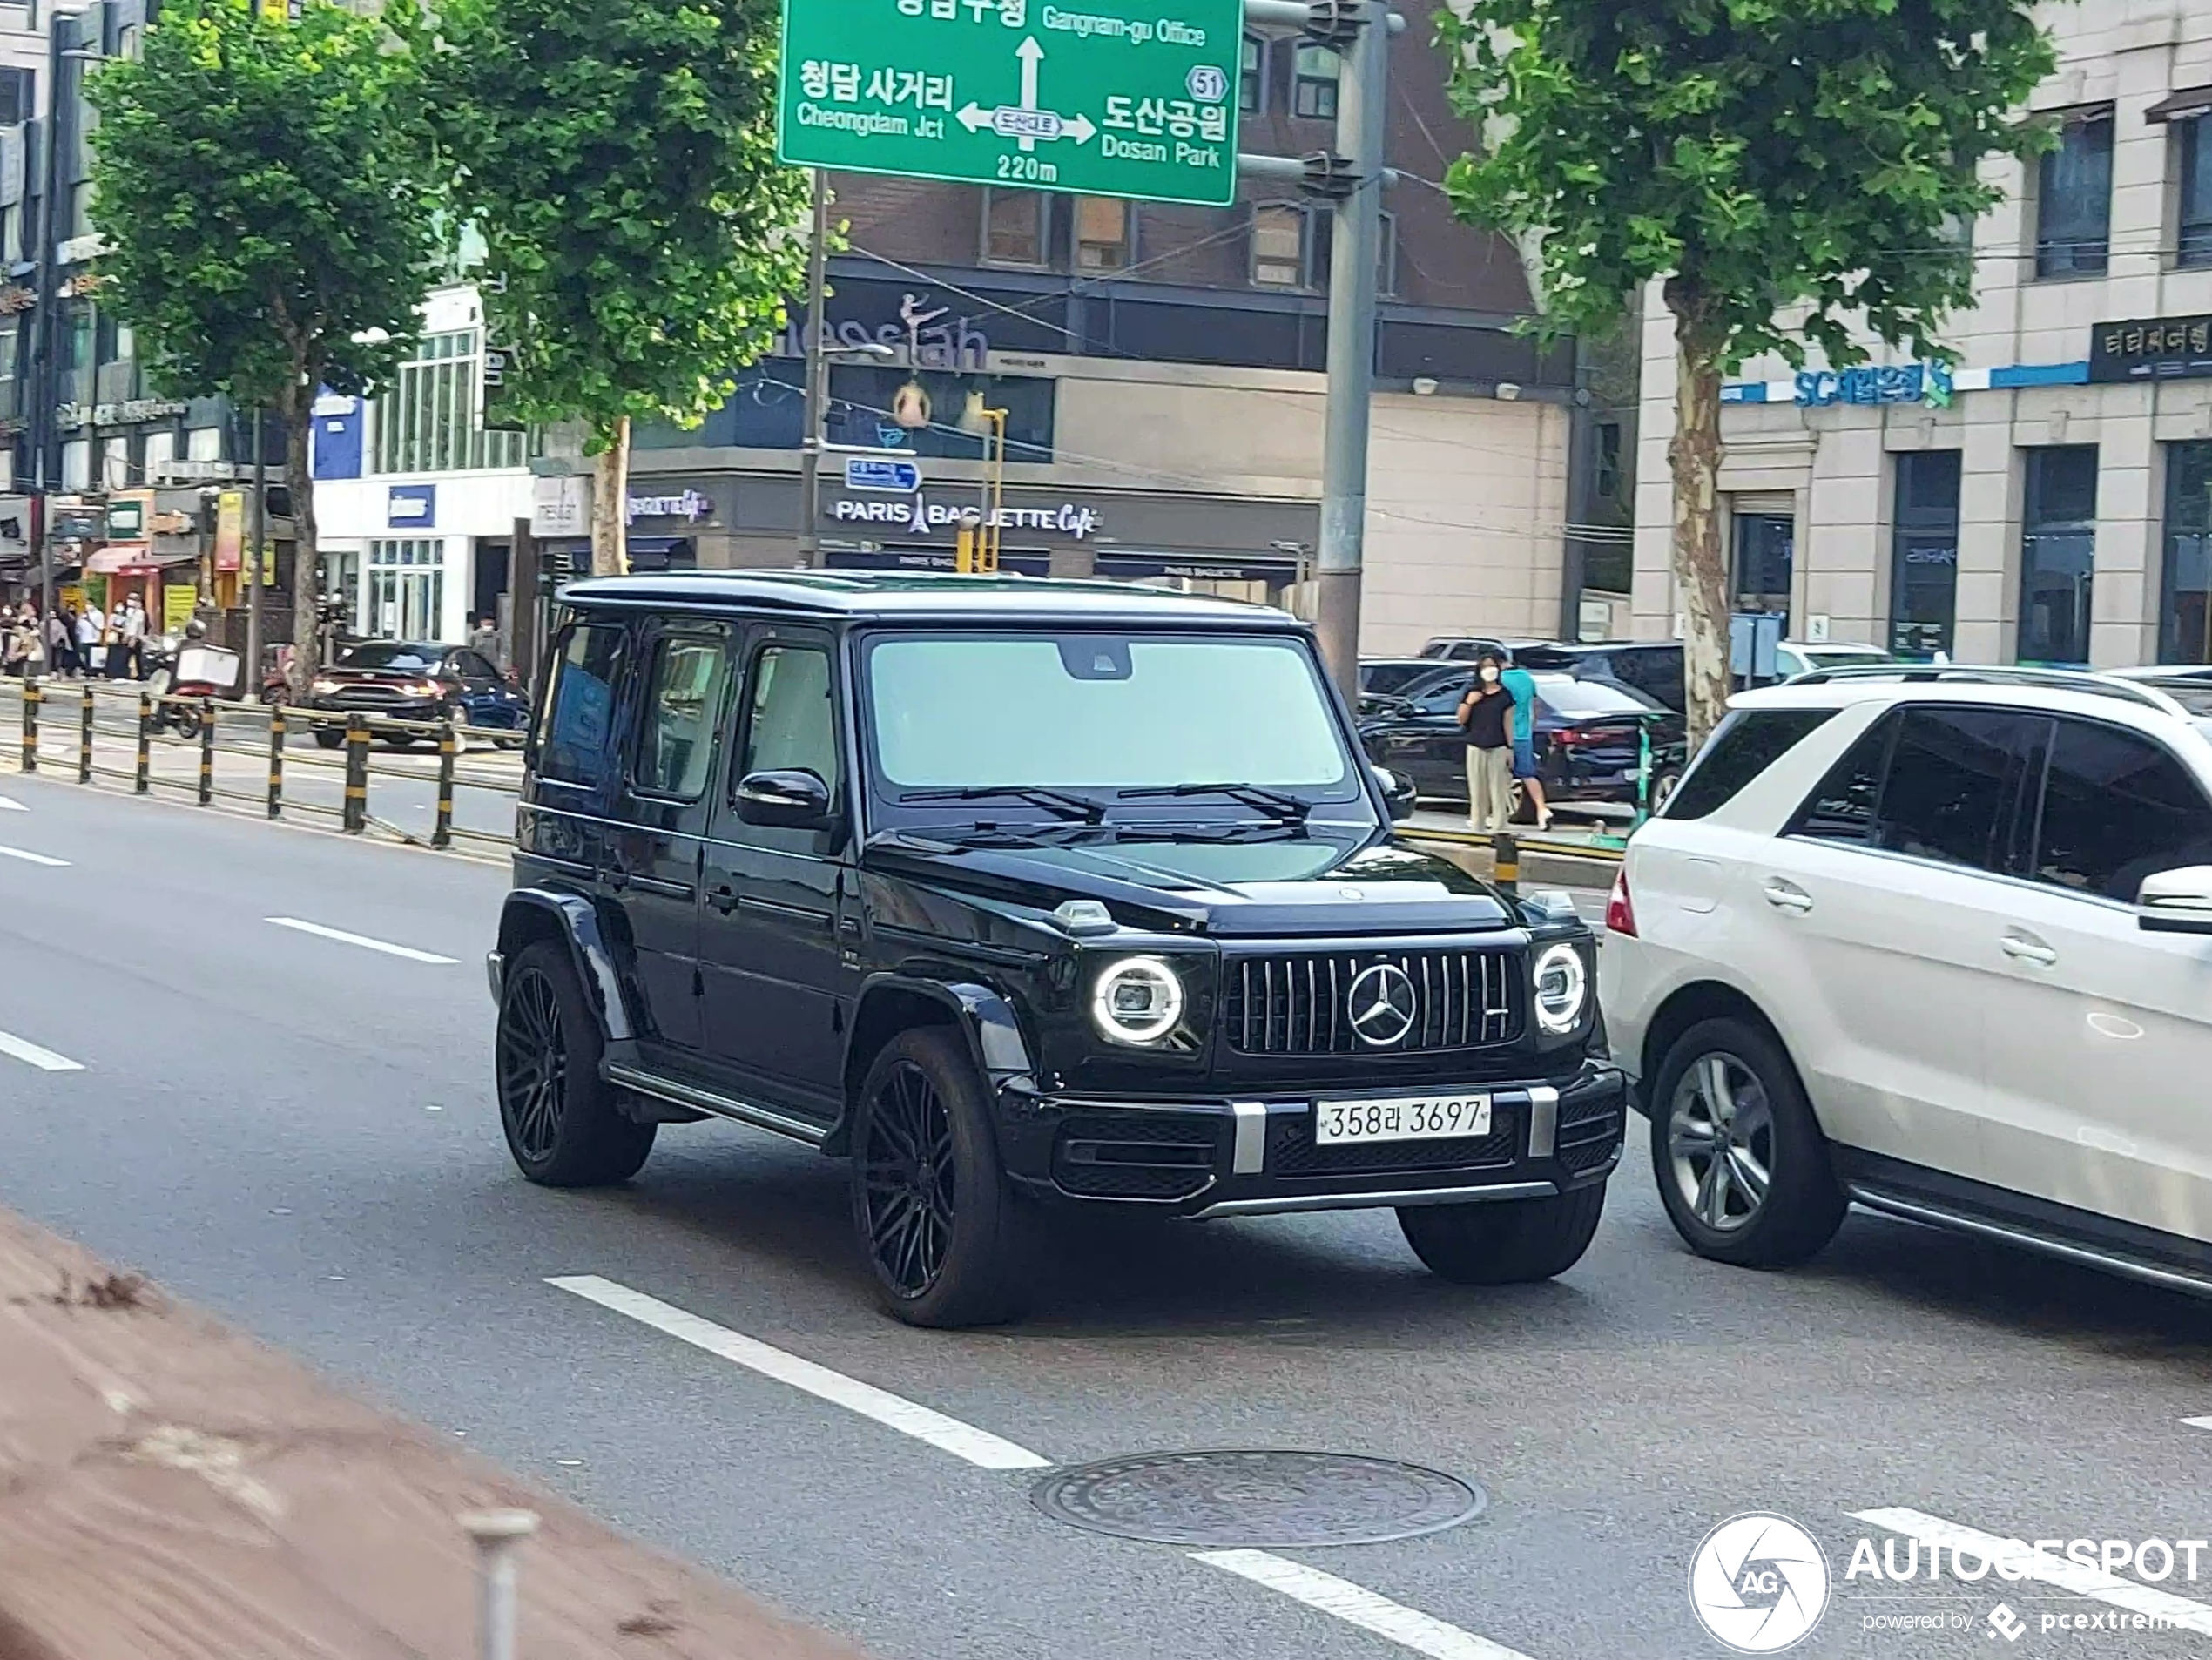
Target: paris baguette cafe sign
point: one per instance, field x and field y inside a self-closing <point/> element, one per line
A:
<point x="917" y="516"/>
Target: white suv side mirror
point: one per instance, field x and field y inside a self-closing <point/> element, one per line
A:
<point x="2177" y="901"/>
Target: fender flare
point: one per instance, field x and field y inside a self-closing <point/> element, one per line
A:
<point x="984" y="1016"/>
<point x="576" y="921"/>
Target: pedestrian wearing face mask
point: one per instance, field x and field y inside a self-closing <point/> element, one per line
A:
<point x="1486" y="715"/>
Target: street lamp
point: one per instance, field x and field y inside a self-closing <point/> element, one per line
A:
<point x="818" y="352"/>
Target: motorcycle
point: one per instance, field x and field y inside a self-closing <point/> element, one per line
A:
<point x="201" y="672"/>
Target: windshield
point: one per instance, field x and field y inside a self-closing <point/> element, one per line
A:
<point x="1090" y="711"/>
<point x="1388" y="678"/>
<point x="1572" y="696"/>
<point x="388" y="654"/>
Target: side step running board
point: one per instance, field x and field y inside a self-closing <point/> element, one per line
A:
<point x="1943" y="1217"/>
<point x="710" y="1100"/>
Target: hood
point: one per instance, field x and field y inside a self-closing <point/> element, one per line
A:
<point x="1303" y="885"/>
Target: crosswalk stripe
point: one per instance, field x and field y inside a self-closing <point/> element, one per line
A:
<point x="2068" y="1576"/>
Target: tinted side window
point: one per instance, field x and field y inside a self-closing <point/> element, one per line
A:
<point x="474" y="667"/>
<point x="1444" y="698"/>
<point x="578" y="729"/>
<point x="2116" y="808"/>
<point x="1747" y="744"/>
<point x="791" y="723"/>
<point x="682" y="701"/>
<point x="1953" y="783"/>
<point x="1842" y="808"/>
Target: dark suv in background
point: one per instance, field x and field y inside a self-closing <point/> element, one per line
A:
<point x="1024" y="895"/>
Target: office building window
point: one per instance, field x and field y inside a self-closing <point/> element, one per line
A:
<point x="2074" y="199"/>
<point x="203" y="444"/>
<point x="115" y="463"/>
<point x="2185" y="611"/>
<point x="1251" y="87"/>
<point x="406" y="588"/>
<point x="1014" y="224"/>
<point x="432" y="419"/>
<point x="76" y="464"/>
<point x="2058" y="554"/>
<point x="1102" y="233"/>
<point x="80" y="207"/>
<point x="1924" y="554"/>
<point x="18" y="101"/>
<point x="2194" y="229"/>
<point x="76" y="386"/>
<point x="1766" y="557"/>
<point x="161" y="449"/>
<point x="1313" y="90"/>
<point x="1608" y="459"/>
<point x="1279" y="245"/>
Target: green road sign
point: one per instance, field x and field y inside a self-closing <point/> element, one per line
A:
<point x="1109" y="98"/>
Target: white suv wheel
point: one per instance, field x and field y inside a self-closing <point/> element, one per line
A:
<point x="1720" y="1142"/>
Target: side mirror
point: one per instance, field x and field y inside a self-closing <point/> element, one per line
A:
<point x="788" y="800"/>
<point x="2177" y="901"/>
<point x="1398" y="793"/>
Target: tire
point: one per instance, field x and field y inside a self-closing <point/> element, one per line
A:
<point x="506" y="742"/>
<point x="184" y="722"/>
<point x="1512" y="1242"/>
<point x="330" y="738"/>
<point x="954" y="1246"/>
<point x="560" y="1118"/>
<point x="1713" y="1200"/>
<point x="1662" y="787"/>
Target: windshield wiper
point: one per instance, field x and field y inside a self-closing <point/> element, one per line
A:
<point x="1280" y="802"/>
<point x="1064" y="802"/>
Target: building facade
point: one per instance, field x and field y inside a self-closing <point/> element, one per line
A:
<point x="2049" y="498"/>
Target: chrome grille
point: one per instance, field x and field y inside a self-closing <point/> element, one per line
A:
<point x="1299" y="1005"/>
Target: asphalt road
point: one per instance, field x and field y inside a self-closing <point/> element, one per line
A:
<point x="296" y="1129"/>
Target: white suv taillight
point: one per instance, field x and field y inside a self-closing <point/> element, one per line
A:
<point x="1621" y="910"/>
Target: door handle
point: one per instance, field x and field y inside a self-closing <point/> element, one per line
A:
<point x="2025" y="951"/>
<point x="723" y="899"/>
<point x="1785" y="897"/>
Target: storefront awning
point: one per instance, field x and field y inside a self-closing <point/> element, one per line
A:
<point x="132" y="559"/>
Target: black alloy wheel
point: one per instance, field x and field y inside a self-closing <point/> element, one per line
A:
<point x="908" y="1182"/>
<point x="533" y="1064"/>
<point x="564" y="1126"/>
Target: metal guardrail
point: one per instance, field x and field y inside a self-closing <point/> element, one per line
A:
<point x="86" y="711"/>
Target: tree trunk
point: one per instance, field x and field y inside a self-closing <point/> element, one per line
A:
<point x="1700" y="569"/>
<point x="296" y="405"/>
<point x="611" y="502"/>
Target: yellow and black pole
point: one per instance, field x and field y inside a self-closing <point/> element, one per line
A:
<point x="441" y="832"/>
<point x="207" y="751"/>
<point x="276" y="761"/>
<point x="31" y="697"/>
<point x="84" y="738"/>
<point x="1506" y="854"/>
<point x="142" y="782"/>
<point x="356" y="818"/>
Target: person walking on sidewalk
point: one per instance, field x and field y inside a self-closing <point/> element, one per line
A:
<point x="1486" y="715"/>
<point x="91" y="627"/>
<point x="127" y="656"/>
<point x="61" y="642"/>
<point x="1521" y="685"/>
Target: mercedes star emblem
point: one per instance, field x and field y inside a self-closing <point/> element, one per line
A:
<point x="1383" y="1005"/>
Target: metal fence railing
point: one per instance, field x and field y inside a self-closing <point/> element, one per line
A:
<point x="248" y="757"/>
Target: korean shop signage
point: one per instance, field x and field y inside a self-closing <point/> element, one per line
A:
<point x="1112" y="97"/>
<point x="1928" y="384"/>
<point x="2154" y="348"/>
<point x="916" y="516"/>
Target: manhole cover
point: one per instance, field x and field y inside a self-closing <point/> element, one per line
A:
<point x="1259" y="1498"/>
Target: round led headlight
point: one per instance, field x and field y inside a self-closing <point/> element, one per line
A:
<point x="1137" y="1000"/>
<point x="1562" y="989"/>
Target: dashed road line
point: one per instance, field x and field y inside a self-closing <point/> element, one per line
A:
<point x="2198" y="1423"/>
<point x="978" y="1447"/>
<point x="1356" y="1605"/>
<point x="2063" y="1572"/>
<point x="31" y="1054"/>
<point x="9" y="803"/>
<point x="361" y="940"/>
<point x="29" y="858"/>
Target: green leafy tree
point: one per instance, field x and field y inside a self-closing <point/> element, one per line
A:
<point x="618" y="158"/>
<point x="266" y="191"/>
<point x="1798" y="171"/>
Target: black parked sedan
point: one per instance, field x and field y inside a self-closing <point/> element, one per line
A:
<point x="1587" y="740"/>
<point x="390" y="680"/>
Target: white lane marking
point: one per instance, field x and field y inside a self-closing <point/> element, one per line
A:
<point x="44" y="1059"/>
<point x="361" y="940"/>
<point x="1356" y="1605"/>
<point x="34" y="857"/>
<point x="894" y="1412"/>
<point x="2067" y="1575"/>
<point x="2198" y="1423"/>
<point x="9" y="803"/>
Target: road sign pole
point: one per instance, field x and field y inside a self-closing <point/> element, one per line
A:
<point x="1354" y="256"/>
<point x="810" y="455"/>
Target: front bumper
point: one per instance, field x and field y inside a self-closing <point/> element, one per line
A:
<point x="1227" y="1158"/>
<point x="332" y="713"/>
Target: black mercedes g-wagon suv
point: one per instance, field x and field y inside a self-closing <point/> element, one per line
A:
<point x="1024" y="894"/>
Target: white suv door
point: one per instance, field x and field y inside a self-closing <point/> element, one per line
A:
<point x="1887" y="884"/>
<point x="2097" y="1073"/>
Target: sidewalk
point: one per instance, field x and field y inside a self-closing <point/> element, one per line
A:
<point x="167" y="1487"/>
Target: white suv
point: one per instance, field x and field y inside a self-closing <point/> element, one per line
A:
<point x="1939" y="941"/>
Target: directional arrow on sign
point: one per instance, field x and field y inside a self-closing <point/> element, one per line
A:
<point x="1028" y="125"/>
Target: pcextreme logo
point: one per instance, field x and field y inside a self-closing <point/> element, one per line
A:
<point x="1759" y="1584"/>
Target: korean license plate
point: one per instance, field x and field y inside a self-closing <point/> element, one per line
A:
<point x="1409" y="1118"/>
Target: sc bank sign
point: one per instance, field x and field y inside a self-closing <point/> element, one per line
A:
<point x="411" y="507"/>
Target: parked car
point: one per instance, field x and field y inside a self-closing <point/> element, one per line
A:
<point x="1024" y="896"/>
<point x="1587" y="735"/>
<point x="1794" y="658"/>
<point x="417" y="682"/>
<point x="1938" y="941"/>
<point x="1465" y="648"/>
<point x="1652" y="667"/>
<point x="1384" y="677"/>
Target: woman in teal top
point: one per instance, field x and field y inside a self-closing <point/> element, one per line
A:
<point x="1522" y="686"/>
